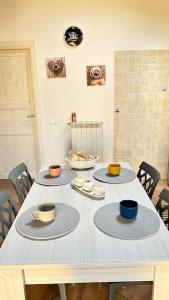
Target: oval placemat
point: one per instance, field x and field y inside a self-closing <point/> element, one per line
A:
<point x="108" y="220"/>
<point x="67" y="219"/>
<point x="126" y="175"/>
<point x="65" y="177"/>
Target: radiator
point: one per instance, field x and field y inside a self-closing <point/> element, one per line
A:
<point x="88" y="136"/>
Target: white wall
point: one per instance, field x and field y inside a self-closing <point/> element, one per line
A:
<point x="106" y="27"/>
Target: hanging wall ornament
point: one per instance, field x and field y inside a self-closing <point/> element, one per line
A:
<point x="96" y="75"/>
<point x="73" y="36"/>
<point x="56" y="67"/>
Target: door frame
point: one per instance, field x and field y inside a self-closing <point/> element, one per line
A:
<point x="35" y="103"/>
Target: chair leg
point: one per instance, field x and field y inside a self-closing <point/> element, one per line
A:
<point x="62" y="289"/>
<point x="112" y="290"/>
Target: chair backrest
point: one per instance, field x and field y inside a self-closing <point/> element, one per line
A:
<point x="162" y="206"/>
<point x="7" y="214"/>
<point x="148" y="177"/>
<point x="21" y="180"/>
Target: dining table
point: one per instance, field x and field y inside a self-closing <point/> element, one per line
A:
<point x="85" y="254"/>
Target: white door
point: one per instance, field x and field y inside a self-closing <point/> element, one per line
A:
<point x="17" y="117"/>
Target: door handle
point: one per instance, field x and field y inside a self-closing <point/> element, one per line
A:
<point x="117" y="110"/>
<point x="30" y="116"/>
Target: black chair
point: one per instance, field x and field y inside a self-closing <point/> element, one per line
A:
<point x="21" y="180"/>
<point x="7" y="214"/>
<point x="148" y="177"/>
<point x="162" y="206"/>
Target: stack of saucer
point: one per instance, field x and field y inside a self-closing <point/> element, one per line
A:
<point x="88" y="186"/>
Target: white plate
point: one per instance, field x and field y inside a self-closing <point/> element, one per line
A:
<point x="82" y="164"/>
<point x="89" y="194"/>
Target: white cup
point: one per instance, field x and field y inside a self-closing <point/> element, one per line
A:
<point x="45" y="212"/>
<point x="79" y="181"/>
<point x="98" y="190"/>
<point x="87" y="186"/>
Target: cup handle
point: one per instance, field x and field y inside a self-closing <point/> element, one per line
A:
<point x="35" y="214"/>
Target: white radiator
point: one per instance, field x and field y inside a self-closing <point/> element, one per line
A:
<point x="88" y="136"/>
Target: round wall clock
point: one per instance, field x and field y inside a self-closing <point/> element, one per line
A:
<point x="73" y="36"/>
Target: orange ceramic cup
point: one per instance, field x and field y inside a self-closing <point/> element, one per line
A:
<point x="114" y="169"/>
<point x="54" y="170"/>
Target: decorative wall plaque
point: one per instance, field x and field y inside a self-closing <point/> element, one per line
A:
<point x="73" y="36"/>
<point x="56" y="67"/>
<point x="96" y="75"/>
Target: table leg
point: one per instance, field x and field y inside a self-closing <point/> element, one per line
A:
<point x="161" y="280"/>
<point x="12" y="284"/>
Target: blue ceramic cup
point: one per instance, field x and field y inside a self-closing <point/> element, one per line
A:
<point x="128" y="209"/>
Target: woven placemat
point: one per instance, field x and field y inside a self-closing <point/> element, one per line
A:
<point x="65" y="177"/>
<point x="67" y="219"/>
<point x="126" y="175"/>
<point x="109" y="221"/>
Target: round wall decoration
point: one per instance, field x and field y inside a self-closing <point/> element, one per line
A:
<point x="73" y="36"/>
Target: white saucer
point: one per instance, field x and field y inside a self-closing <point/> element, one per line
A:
<point x="89" y="194"/>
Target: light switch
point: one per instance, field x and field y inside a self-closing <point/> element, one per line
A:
<point x="53" y="121"/>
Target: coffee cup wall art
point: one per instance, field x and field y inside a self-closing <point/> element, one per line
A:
<point x="96" y="75"/>
<point x="56" y="67"/>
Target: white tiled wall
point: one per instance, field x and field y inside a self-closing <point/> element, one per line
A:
<point x="141" y="128"/>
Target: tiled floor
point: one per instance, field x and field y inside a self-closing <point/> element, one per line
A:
<point x="90" y="291"/>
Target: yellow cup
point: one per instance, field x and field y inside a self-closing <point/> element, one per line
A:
<point x="114" y="169"/>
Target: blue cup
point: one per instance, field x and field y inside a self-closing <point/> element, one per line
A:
<point x="128" y="209"/>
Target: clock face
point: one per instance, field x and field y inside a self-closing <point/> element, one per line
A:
<point x="73" y="36"/>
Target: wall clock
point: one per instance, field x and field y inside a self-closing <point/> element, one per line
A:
<point x="73" y="36"/>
